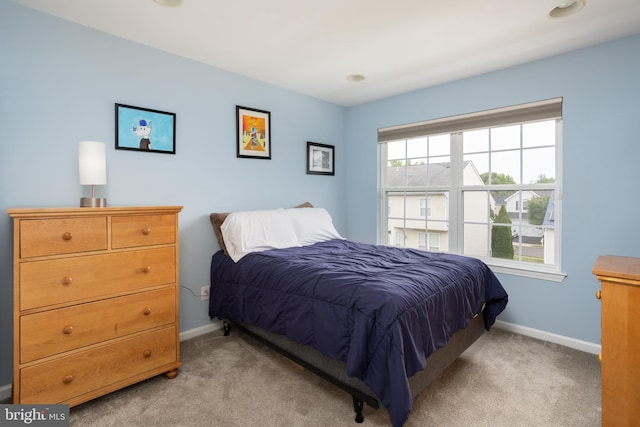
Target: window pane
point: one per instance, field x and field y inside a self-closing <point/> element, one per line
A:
<point x="539" y="133"/>
<point x="395" y="205"/>
<point x="477" y="206"/>
<point x="439" y="145"/>
<point x="475" y="141"/>
<point x="507" y="163"/>
<point x="417" y="175"/>
<point x="502" y="241"/>
<point x="505" y="137"/>
<point x="534" y="247"/>
<point x="439" y="174"/>
<point x="476" y="240"/>
<point x="417" y="147"/>
<point x="396" y="150"/>
<point x="474" y="166"/>
<point x="396" y="176"/>
<point x="539" y="165"/>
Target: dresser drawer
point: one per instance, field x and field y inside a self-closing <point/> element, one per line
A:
<point x="55" y="331"/>
<point x="142" y="230"/>
<point x="67" y="377"/>
<point x="53" y="236"/>
<point x="66" y="280"/>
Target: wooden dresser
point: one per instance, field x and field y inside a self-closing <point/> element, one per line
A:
<point x="620" y="356"/>
<point x="95" y="300"/>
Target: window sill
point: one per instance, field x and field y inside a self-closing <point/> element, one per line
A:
<point x="551" y="276"/>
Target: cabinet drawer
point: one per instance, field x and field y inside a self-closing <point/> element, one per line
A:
<point x="52" y="332"/>
<point x="52" y="236"/>
<point x="142" y="230"/>
<point x="70" y="376"/>
<point x="67" y="280"/>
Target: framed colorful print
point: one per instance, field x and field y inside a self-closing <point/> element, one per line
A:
<point x="320" y="159"/>
<point x="253" y="132"/>
<point x="144" y="129"/>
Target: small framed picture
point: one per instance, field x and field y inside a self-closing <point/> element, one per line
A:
<point x="320" y="159"/>
<point x="253" y="133"/>
<point x="144" y="129"/>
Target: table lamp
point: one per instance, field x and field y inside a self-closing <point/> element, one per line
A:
<point x="92" y="164"/>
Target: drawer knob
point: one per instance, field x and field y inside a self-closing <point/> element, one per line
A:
<point x="146" y="311"/>
<point x="600" y="357"/>
<point x="67" y="235"/>
<point x="147" y="353"/>
<point x="67" y="280"/>
<point x="67" y="329"/>
<point x="599" y="294"/>
<point x="146" y="231"/>
<point x="67" y="379"/>
<point x="146" y="269"/>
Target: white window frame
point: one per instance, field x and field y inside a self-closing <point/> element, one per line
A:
<point x="542" y="110"/>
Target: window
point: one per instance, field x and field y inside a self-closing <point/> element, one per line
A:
<point x="425" y="207"/>
<point x="485" y="185"/>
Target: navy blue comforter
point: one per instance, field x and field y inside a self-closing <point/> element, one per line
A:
<point x="382" y="310"/>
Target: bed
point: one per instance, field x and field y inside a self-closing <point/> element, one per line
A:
<point x="381" y="322"/>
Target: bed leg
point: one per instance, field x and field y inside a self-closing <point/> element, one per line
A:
<point x="358" y="405"/>
<point x="226" y="327"/>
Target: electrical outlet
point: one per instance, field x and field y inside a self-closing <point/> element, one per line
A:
<point x="204" y="293"/>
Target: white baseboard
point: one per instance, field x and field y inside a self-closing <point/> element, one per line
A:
<point x="587" y="347"/>
<point x="5" y="391"/>
<point x="200" y="330"/>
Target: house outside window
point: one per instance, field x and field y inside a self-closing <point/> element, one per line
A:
<point x="486" y="184"/>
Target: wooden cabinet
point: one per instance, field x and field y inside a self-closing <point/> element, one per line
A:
<point x="95" y="300"/>
<point x="620" y="356"/>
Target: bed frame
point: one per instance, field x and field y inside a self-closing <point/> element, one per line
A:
<point x="335" y="371"/>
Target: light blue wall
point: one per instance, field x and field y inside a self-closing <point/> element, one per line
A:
<point x="601" y="177"/>
<point x="58" y="85"/>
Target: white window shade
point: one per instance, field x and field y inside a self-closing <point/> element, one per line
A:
<point x="541" y="110"/>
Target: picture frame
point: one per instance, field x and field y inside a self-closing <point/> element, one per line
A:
<point x="253" y="131"/>
<point x="145" y="129"/>
<point x="320" y="159"/>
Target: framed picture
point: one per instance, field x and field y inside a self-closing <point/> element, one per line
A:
<point x="144" y="129"/>
<point x="320" y="159"/>
<point x="253" y="133"/>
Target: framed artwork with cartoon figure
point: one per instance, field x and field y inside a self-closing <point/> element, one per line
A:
<point x="144" y="129"/>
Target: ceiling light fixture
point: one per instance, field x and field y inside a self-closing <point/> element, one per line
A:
<point x="170" y="3"/>
<point x="567" y="8"/>
<point x="354" y="78"/>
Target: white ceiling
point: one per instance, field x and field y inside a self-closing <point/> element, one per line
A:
<point x="310" y="46"/>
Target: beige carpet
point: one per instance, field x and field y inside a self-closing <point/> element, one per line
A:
<point x="504" y="379"/>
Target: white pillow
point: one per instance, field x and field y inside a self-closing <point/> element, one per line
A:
<point x="313" y="225"/>
<point x="254" y="231"/>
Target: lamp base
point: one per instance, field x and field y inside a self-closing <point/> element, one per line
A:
<point x="93" y="202"/>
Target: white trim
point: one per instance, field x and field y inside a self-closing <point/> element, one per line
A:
<point x="5" y="391"/>
<point x="551" y="276"/>
<point x="201" y="330"/>
<point x="587" y="347"/>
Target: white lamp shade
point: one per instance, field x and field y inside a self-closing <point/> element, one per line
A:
<point x="92" y="163"/>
